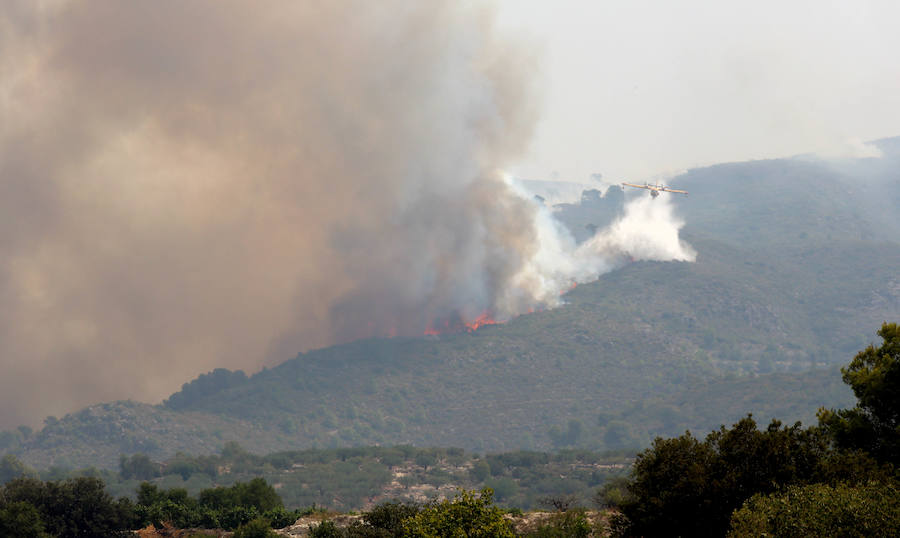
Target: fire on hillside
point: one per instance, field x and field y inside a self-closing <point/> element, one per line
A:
<point x="459" y="324"/>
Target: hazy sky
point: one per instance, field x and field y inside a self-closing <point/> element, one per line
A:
<point x="639" y="88"/>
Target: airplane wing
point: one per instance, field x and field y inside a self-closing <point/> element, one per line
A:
<point x="667" y="189"/>
<point x="638" y="186"/>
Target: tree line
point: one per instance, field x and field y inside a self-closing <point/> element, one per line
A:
<point x="81" y="507"/>
<point x="353" y="478"/>
<point x="839" y="477"/>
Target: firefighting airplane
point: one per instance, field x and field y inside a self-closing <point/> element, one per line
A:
<point x="655" y="189"/>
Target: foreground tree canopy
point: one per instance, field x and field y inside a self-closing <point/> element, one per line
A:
<point x="848" y="464"/>
<point x="81" y="507"/>
<point x="467" y="514"/>
<point x="684" y="486"/>
<point x="873" y="426"/>
<point x="821" y="510"/>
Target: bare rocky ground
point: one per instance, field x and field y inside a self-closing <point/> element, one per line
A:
<point x="302" y="526"/>
<point x="523" y="524"/>
<point x="167" y="531"/>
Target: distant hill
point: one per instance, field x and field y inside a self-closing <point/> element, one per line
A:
<point x="796" y="269"/>
<point x="559" y="192"/>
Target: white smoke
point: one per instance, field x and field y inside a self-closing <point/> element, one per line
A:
<point x="849" y="148"/>
<point x="647" y="231"/>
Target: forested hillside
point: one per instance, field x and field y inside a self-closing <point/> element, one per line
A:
<point x="797" y="262"/>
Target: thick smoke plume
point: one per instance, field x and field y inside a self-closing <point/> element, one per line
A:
<point x="188" y="185"/>
<point x="647" y="230"/>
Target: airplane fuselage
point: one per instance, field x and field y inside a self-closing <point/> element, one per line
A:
<point x="654" y="189"/>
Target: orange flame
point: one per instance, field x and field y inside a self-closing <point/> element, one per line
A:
<point x="572" y="287"/>
<point x="482" y="320"/>
<point x="437" y="327"/>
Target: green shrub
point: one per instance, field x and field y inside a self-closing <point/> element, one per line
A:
<point x="613" y="493"/>
<point x="389" y="516"/>
<point x="21" y="519"/>
<point x="326" y="529"/>
<point x="255" y="493"/>
<point x="468" y="514"/>
<point x="235" y="516"/>
<point x="279" y="518"/>
<point x="257" y="528"/>
<point x="568" y="524"/>
<point x="821" y="510"/>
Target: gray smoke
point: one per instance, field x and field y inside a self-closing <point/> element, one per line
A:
<point x="190" y="185"/>
<point x="185" y="185"/>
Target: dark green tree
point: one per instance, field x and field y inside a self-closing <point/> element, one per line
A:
<point x="78" y="507"/>
<point x="183" y="465"/>
<point x="504" y="488"/>
<point x="138" y="466"/>
<point x="670" y="490"/>
<point x="225" y="507"/>
<point x="750" y="461"/>
<point x="204" y="386"/>
<point x="389" y="516"/>
<point x="11" y="467"/>
<point x="256" y="494"/>
<point x="426" y="458"/>
<point x="686" y="487"/>
<point x="873" y="425"/>
<point x="257" y="528"/>
<point x="21" y="519"/>
<point x="481" y="469"/>
<point x="821" y="510"/>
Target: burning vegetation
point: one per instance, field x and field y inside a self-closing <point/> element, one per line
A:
<point x="460" y="325"/>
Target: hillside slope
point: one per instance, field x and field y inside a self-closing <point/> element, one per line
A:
<point x="796" y="268"/>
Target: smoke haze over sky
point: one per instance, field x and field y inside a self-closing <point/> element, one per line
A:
<point x="191" y="185"/>
<point x="639" y="89"/>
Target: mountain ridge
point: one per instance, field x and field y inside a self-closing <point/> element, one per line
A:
<point x="786" y="287"/>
